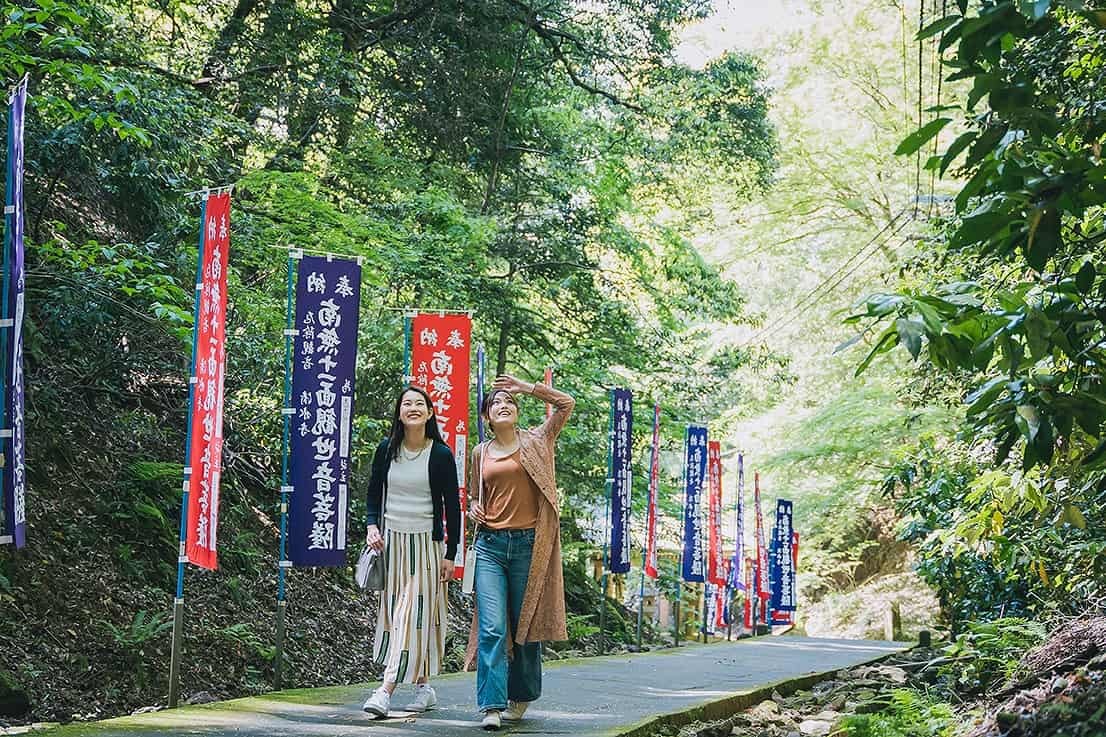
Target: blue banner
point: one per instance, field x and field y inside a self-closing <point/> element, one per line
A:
<point x="695" y="472"/>
<point x="781" y="561"/>
<point x="622" y="407"/>
<point x="328" y="295"/>
<point x="737" y="565"/>
<point x="13" y="508"/>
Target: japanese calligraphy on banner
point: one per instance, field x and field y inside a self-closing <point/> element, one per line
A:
<point x="13" y="504"/>
<point x="710" y="599"/>
<point x="622" y="420"/>
<point x="762" y="590"/>
<point x="695" y="471"/>
<point x="440" y="363"/>
<point x="737" y="580"/>
<point x="205" y="460"/>
<point x="328" y="298"/>
<point x="654" y="486"/>
<point x="716" y="556"/>
<point x="782" y="564"/>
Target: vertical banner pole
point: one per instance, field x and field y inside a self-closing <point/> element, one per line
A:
<point x="408" y="373"/>
<point x="285" y="488"/>
<point x="606" y="529"/>
<point x="480" y="431"/>
<point x="178" y="601"/>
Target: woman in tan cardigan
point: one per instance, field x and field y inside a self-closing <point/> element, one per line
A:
<point x="519" y="583"/>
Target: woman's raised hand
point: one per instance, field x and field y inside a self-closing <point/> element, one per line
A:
<point x="374" y="539"/>
<point x="508" y="383"/>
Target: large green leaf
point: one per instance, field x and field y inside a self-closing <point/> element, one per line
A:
<point x="920" y="137"/>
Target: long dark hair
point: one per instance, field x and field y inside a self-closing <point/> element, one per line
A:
<point x="395" y="437"/>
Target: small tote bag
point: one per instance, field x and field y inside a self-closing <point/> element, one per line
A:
<point x="468" y="578"/>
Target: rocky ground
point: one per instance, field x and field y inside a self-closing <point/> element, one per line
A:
<point x="1057" y="690"/>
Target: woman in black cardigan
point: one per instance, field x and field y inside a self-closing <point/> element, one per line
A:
<point x="413" y="486"/>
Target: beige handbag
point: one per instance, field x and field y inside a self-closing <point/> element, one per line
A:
<point x="468" y="578"/>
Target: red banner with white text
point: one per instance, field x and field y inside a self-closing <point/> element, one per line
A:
<point x="654" y="485"/>
<point x="440" y="363"/>
<point x="716" y="565"/>
<point x="205" y="457"/>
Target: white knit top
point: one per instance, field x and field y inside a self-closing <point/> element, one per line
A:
<point x="409" y="507"/>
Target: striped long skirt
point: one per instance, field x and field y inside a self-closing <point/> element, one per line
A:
<point x="411" y="627"/>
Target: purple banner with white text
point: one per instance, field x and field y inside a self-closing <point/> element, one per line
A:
<point x="328" y="295"/>
<point x="14" y="507"/>
<point x="622" y="403"/>
<point x="695" y="471"/>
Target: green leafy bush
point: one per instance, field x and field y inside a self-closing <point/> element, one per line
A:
<point x="909" y="714"/>
<point x="988" y="653"/>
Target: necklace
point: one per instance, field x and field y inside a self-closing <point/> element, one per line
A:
<point x="407" y="456"/>
<point x="503" y="450"/>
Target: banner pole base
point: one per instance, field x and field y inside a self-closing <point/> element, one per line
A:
<point x="175" y="657"/>
<point x="603" y="615"/>
<point x="278" y="653"/>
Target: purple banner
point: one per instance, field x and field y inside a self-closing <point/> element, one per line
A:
<point x="781" y="562"/>
<point x="328" y="295"/>
<point x="622" y="420"/>
<point x="14" y="506"/>
<point x="695" y="472"/>
<point x="736" y="565"/>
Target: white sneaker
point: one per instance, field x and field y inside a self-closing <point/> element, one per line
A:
<point x="378" y="703"/>
<point x="515" y="710"/>
<point x="425" y="698"/>
<point x="491" y="721"/>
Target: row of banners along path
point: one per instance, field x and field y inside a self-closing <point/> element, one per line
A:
<point x="323" y="306"/>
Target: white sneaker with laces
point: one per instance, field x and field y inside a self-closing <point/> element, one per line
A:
<point x="379" y="703"/>
<point x="491" y="721"/>
<point x="515" y="710"/>
<point x="425" y="698"/>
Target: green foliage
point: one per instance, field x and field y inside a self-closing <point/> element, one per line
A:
<point x="909" y="714"/>
<point x="1007" y="308"/>
<point x="987" y="655"/>
<point x="143" y="629"/>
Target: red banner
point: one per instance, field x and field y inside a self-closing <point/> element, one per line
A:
<point x="654" y="485"/>
<point x="763" y="590"/>
<point x="205" y="458"/>
<point x="549" y="383"/>
<point x="716" y="565"/>
<point x="440" y="363"/>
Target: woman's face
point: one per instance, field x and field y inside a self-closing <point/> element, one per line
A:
<point x="413" y="412"/>
<point x="503" y="412"/>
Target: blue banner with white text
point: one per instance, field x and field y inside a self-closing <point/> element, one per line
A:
<point x="13" y="509"/>
<point x="328" y="295"/>
<point x="695" y="472"/>
<point x="622" y="404"/>
<point x="781" y="560"/>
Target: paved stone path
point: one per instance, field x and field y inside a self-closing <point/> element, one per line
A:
<point x="594" y="696"/>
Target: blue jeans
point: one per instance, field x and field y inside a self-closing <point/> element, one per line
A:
<point x="502" y="569"/>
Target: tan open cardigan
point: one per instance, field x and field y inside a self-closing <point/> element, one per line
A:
<point x="543" y="606"/>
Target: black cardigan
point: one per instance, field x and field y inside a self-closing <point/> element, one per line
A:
<point x="443" y="492"/>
